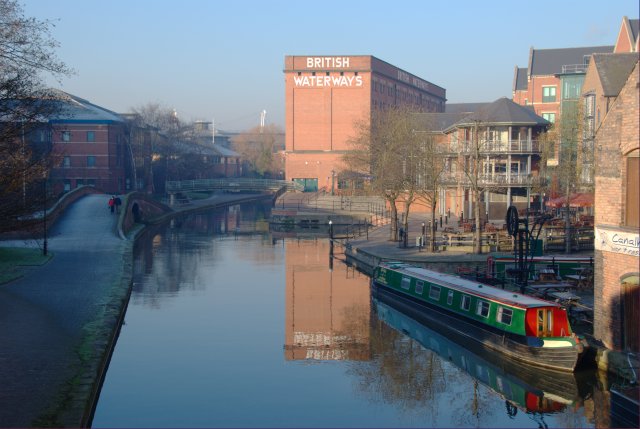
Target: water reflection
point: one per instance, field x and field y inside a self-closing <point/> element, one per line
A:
<point x="232" y="326"/>
<point x="532" y="390"/>
<point x="327" y="310"/>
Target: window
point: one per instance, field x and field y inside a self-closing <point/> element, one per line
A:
<point x="91" y="161"/>
<point x="66" y="162"/>
<point x="91" y="136"/>
<point x="482" y="309"/>
<point x="548" y="94"/>
<point x="632" y="217"/>
<point x="419" y="287"/>
<point x="551" y="117"/>
<point x="406" y="283"/>
<point x="66" y="136"/>
<point x="434" y="292"/>
<point x="67" y="185"/>
<point x="450" y="297"/>
<point x="465" y="304"/>
<point x="79" y="182"/>
<point x="91" y="182"/>
<point x="504" y="315"/>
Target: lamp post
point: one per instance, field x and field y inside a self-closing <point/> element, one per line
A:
<point x="44" y="214"/>
<point x="333" y="177"/>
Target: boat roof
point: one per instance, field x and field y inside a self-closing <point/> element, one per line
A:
<point x="471" y="287"/>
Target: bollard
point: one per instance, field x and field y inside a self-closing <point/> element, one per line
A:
<point x="440" y="221"/>
<point x="446" y="220"/>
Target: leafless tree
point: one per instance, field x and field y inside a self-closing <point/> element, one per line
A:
<point x="259" y="147"/>
<point x="27" y="51"/>
<point x="386" y="149"/>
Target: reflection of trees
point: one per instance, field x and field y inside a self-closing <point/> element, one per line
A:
<point x="401" y="371"/>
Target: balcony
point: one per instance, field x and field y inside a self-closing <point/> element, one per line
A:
<point x="574" y="68"/>
<point x="497" y="147"/>
<point x="496" y="180"/>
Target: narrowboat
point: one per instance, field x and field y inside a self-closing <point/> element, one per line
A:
<point x="529" y="389"/>
<point x="521" y="327"/>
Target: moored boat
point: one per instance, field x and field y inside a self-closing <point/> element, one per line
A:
<point x="520" y="327"/>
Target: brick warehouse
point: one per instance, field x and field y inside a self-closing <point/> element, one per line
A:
<point x="617" y="234"/>
<point x="325" y="96"/>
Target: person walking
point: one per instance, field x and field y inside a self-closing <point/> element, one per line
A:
<point x="112" y="204"/>
<point x="118" y="203"/>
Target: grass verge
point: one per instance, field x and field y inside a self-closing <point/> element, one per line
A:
<point x="15" y="261"/>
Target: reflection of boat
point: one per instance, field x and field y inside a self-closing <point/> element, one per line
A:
<point x="521" y="327"/>
<point x="535" y="390"/>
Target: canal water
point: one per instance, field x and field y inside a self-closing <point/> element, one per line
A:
<point x="230" y="325"/>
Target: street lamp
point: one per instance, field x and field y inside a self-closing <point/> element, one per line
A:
<point x="44" y="214"/>
<point x="333" y="176"/>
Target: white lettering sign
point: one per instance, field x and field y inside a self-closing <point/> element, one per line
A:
<point x="328" y="81"/>
<point x="612" y="240"/>
<point x="327" y="62"/>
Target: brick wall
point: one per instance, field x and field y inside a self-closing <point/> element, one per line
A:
<point x="618" y="135"/>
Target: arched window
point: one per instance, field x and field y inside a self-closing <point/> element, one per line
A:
<point x="632" y="188"/>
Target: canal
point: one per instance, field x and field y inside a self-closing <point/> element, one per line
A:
<point x="230" y="325"/>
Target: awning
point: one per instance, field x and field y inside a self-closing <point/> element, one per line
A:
<point x="575" y="200"/>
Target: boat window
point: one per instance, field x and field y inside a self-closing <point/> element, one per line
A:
<point x="419" y="287"/>
<point x="406" y="283"/>
<point x="450" y="298"/>
<point x="504" y="315"/>
<point x="482" y="309"/>
<point x="434" y="292"/>
<point x="465" y="303"/>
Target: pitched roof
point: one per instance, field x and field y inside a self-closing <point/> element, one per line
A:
<point x="634" y="24"/>
<point x="436" y="122"/>
<point x="502" y="112"/>
<point x="520" y="81"/>
<point x="75" y="109"/>
<point x="544" y="62"/>
<point x="463" y="107"/>
<point x="614" y="70"/>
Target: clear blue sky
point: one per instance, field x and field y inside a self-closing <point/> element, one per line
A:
<point x="224" y="59"/>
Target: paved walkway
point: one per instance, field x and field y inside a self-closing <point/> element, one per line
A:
<point x="43" y="316"/>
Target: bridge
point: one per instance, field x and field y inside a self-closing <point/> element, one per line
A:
<point x="232" y="185"/>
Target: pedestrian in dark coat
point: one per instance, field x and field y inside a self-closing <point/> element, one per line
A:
<point x="118" y="203"/>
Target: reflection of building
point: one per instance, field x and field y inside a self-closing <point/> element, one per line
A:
<point x="327" y="311"/>
<point x="324" y="99"/>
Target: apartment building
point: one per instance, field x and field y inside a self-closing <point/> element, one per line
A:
<point x="92" y="145"/>
<point x="326" y="96"/>
<point x="501" y="139"/>
<point x="552" y="75"/>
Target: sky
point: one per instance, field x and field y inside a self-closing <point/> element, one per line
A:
<point x="223" y="60"/>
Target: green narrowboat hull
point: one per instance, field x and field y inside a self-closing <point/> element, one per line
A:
<point x="562" y="353"/>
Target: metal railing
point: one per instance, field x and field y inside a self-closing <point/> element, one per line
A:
<point x="496" y="146"/>
<point x="231" y="184"/>
<point x="496" y="179"/>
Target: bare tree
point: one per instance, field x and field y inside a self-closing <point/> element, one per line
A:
<point x="563" y="149"/>
<point x="27" y="51"/>
<point x="386" y="150"/>
<point x="259" y="147"/>
<point x="430" y="169"/>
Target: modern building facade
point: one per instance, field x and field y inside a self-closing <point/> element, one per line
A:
<point x="326" y="96"/>
<point x="501" y="138"/>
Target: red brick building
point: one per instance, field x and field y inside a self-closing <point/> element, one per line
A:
<point x="92" y="144"/>
<point x="617" y="224"/>
<point x="324" y="98"/>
